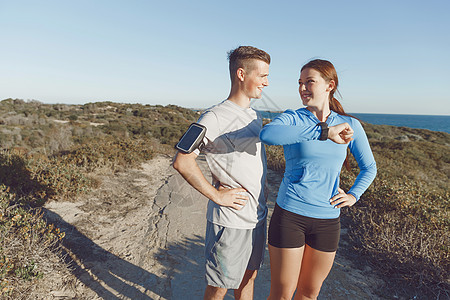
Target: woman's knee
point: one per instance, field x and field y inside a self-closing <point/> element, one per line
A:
<point x="280" y="297"/>
<point x="281" y="293"/>
<point x="309" y="292"/>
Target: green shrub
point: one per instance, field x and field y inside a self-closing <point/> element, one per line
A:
<point x="46" y="160"/>
<point x="111" y="153"/>
<point x="275" y="158"/>
<point x="38" y="178"/>
<point x="402" y="221"/>
<point x="73" y="117"/>
<point x="25" y="238"/>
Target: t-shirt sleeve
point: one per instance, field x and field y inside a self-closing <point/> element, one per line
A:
<point x="288" y="128"/>
<point x="209" y="120"/>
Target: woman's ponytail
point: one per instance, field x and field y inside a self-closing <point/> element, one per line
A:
<point x="336" y="106"/>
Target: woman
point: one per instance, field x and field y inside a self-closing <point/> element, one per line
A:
<point x="305" y="227"/>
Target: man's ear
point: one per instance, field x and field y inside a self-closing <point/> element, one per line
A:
<point x="240" y="74"/>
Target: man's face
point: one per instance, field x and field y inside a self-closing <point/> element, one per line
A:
<point x="256" y="79"/>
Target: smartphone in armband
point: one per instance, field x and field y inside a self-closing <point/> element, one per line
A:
<point x="192" y="138"/>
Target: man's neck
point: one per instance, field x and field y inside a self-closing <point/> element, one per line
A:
<point x="239" y="98"/>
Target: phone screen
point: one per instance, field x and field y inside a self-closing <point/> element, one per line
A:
<point x="189" y="137"/>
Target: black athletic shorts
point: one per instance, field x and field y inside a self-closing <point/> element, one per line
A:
<point x="290" y="230"/>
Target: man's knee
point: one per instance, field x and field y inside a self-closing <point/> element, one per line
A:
<point x="248" y="280"/>
<point x="250" y="275"/>
<point x="214" y="293"/>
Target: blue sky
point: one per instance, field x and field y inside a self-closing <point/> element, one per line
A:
<point x="391" y="56"/>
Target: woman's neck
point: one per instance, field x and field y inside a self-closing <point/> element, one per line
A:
<point x="320" y="113"/>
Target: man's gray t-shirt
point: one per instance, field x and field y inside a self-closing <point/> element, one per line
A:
<point x="236" y="158"/>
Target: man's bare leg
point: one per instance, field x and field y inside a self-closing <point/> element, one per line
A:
<point x="245" y="290"/>
<point x="214" y="293"/>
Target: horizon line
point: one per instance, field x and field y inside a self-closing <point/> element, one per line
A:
<point x="203" y="108"/>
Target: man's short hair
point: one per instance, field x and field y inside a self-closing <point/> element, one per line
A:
<point x="242" y="57"/>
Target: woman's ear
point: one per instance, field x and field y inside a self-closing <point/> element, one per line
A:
<point x="331" y="86"/>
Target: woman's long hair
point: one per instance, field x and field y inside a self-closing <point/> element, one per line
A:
<point x="328" y="72"/>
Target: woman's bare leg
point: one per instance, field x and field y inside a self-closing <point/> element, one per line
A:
<point x="285" y="266"/>
<point x="316" y="266"/>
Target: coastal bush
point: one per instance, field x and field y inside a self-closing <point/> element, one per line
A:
<point x="52" y="128"/>
<point x="53" y="152"/>
<point x="275" y="158"/>
<point x="26" y="241"/>
<point x="407" y="240"/>
<point x="402" y="221"/>
<point x="38" y="178"/>
<point x="108" y="153"/>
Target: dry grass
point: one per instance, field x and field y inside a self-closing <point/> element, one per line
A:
<point x="54" y="152"/>
<point x="43" y="159"/>
<point x="28" y="246"/>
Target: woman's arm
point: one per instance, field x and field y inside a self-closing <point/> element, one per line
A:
<point x="360" y="149"/>
<point x="287" y="129"/>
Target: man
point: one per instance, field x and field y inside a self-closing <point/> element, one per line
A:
<point x="236" y="213"/>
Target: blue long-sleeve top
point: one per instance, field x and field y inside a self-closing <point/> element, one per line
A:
<point x="311" y="176"/>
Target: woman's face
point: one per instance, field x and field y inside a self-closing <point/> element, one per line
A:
<point x="314" y="90"/>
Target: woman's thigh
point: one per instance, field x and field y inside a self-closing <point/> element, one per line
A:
<point x="316" y="266"/>
<point x="285" y="264"/>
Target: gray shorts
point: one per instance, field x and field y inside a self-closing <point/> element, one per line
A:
<point x="230" y="252"/>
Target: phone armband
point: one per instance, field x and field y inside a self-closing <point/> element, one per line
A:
<point x="192" y="138"/>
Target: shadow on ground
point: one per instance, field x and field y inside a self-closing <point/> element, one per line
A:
<point x="113" y="277"/>
<point x="109" y="276"/>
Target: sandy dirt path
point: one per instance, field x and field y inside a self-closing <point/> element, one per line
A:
<point x="140" y="236"/>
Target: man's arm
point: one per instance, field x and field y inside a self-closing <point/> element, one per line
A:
<point x="187" y="166"/>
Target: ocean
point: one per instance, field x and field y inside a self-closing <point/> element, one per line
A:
<point x="435" y="123"/>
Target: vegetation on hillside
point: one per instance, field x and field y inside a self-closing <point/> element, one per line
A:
<point x="55" y="152"/>
<point x="402" y="221"/>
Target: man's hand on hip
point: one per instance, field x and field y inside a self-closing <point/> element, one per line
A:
<point x="234" y="198"/>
